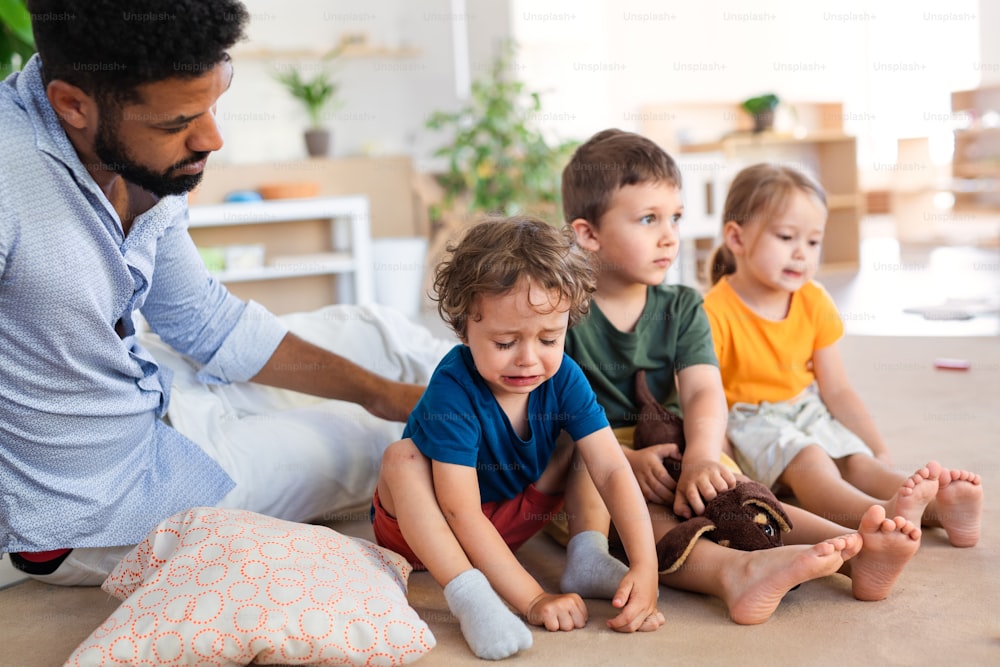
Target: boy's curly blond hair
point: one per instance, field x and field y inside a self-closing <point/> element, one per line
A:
<point x="498" y="254"/>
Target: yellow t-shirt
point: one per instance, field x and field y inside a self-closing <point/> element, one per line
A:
<point x="767" y="360"/>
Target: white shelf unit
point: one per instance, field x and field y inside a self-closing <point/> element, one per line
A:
<point x="350" y="239"/>
<point x="704" y="177"/>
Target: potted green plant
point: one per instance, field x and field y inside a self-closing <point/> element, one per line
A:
<point x="762" y="109"/>
<point x="498" y="161"/>
<point x="318" y="94"/>
<point x="16" y="41"/>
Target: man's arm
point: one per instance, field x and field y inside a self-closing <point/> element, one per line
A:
<point x="301" y="366"/>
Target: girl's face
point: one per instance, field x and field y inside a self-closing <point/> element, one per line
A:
<point x="782" y="253"/>
<point x="517" y="339"/>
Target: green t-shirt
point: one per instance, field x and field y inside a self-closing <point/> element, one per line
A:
<point x="672" y="334"/>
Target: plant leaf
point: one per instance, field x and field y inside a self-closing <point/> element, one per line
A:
<point x="14" y="15"/>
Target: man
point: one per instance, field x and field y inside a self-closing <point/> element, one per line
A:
<point x="105" y="130"/>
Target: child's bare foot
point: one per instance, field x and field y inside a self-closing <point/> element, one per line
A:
<point x="756" y="589"/>
<point x="889" y="544"/>
<point x="960" y="506"/>
<point x="916" y="493"/>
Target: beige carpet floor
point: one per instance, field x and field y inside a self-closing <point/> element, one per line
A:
<point x="943" y="609"/>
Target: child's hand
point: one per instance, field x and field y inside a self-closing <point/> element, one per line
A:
<point x="557" y="612"/>
<point x="647" y="465"/>
<point x="636" y="597"/>
<point x="700" y="482"/>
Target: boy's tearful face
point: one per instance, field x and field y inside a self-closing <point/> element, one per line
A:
<point x="517" y="338"/>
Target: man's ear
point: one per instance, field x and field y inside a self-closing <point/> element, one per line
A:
<point x="72" y="104"/>
<point x="586" y="235"/>
<point x="732" y="236"/>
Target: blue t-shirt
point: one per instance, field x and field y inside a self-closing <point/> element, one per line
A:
<point x="459" y="421"/>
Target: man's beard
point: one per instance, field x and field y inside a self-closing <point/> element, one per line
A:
<point x="114" y="156"/>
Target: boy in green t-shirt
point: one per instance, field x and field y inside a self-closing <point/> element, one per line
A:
<point x="622" y="196"/>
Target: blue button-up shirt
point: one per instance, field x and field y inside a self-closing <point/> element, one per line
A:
<point x="85" y="459"/>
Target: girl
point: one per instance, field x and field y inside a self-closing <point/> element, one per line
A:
<point x="794" y="418"/>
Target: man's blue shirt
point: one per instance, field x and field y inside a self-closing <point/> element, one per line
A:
<point x="85" y="459"/>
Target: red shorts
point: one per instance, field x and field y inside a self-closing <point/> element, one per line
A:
<point x="517" y="520"/>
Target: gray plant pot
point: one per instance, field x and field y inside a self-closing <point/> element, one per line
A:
<point x="318" y="142"/>
<point x="763" y="121"/>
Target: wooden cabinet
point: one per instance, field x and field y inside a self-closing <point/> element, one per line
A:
<point x="830" y="157"/>
<point x="809" y="136"/>
<point x="976" y="162"/>
<point x="316" y="251"/>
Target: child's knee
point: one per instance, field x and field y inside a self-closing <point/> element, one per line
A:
<point x="402" y="457"/>
<point x="811" y="455"/>
<point x="855" y="464"/>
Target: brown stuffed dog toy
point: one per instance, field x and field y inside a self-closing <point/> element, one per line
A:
<point x="747" y="517"/>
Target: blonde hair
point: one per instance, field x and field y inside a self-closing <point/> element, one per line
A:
<point x="496" y="255"/>
<point x="758" y="192"/>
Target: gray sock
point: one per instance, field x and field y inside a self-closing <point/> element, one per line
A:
<point x="591" y="572"/>
<point x="492" y="631"/>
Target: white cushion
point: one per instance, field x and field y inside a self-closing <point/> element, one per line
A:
<point x="230" y="587"/>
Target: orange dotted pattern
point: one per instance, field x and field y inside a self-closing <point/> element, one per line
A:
<point x="217" y="587"/>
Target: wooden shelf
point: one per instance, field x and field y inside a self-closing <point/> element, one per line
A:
<point x="976" y="132"/>
<point x="813" y="140"/>
<point x="293" y="255"/>
<point x="831" y="158"/>
<point x="843" y="201"/>
<point x="349" y="52"/>
<point x="977" y="149"/>
<point x="316" y="264"/>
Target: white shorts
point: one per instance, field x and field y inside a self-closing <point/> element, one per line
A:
<point x="768" y="436"/>
<point x="293" y="456"/>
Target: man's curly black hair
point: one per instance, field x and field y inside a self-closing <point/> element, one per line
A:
<point x="109" y="47"/>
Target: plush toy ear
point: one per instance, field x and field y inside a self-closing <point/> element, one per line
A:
<point x="674" y="547"/>
<point x="655" y="425"/>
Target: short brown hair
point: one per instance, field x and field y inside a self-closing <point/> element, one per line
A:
<point x="610" y="160"/>
<point x="759" y="191"/>
<point x="496" y="255"/>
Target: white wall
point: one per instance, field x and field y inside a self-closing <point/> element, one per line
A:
<point x="387" y="98"/>
<point x="989" y="25"/>
<point x="892" y="64"/>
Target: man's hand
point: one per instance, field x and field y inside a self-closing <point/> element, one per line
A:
<point x="647" y="465"/>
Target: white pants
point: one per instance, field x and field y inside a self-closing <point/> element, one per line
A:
<point x="292" y="456"/>
<point x="767" y="437"/>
